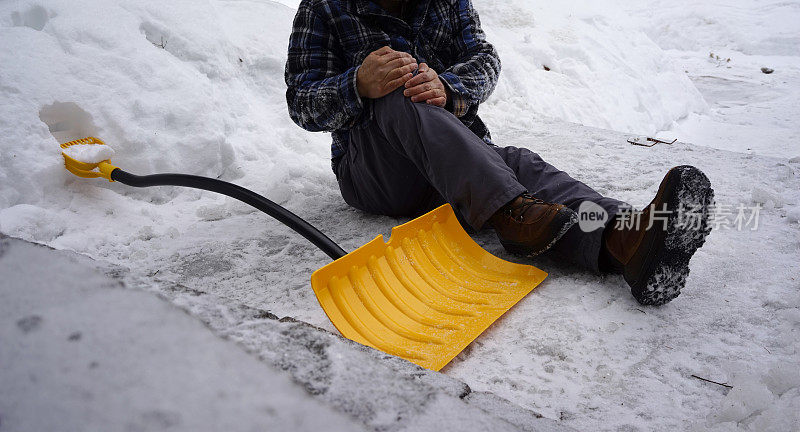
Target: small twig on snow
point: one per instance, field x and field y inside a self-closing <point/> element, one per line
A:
<point x="712" y="382"/>
<point x="162" y="45"/>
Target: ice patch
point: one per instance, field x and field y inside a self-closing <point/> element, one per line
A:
<point x="782" y="378"/>
<point x="763" y="402"/>
<point x="748" y="396"/>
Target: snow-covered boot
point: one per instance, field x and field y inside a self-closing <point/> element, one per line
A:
<point x="652" y="249"/>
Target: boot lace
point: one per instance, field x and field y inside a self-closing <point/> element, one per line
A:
<point x="517" y="210"/>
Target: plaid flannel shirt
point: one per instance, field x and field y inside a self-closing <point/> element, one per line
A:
<point x="331" y="38"/>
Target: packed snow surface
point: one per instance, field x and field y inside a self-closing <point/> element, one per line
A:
<point x="197" y="87"/>
<point x="86" y="354"/>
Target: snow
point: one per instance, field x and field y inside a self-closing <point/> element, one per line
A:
<point x="765" y="401"/>
<point x="603" y="71"/>
<point x="767" y="197"/>
<point x="722" y="47"/>
<point x="579" y="348"/>
<point x="89" y="153"/>
<point x="81" y="353"/>
<point x="84" y="353"/>
<point x="197" y="87"/>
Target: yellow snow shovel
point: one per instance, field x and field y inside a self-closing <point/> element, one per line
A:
<point x="423" y="296"/>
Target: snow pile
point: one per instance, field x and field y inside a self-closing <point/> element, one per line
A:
<point x="89" y="153"/>
<point x="582" y="62"/>
<point x="179" y="86"/>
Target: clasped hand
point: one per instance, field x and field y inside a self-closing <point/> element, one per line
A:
<point x="385" y="70"/>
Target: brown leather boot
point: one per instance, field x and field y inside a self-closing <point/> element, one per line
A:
<point x="529" y="226"/>
<point x="654" y="254"/>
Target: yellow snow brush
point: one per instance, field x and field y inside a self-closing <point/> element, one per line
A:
<point x="423" y="296"/>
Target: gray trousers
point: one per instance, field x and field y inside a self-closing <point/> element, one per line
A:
<point x="412" y="157"/>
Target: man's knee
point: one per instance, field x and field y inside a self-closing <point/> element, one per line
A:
<point x="395" y="110"/>
<point x="517" y="157"/>
<point x="396" y="116"/>
<point x="392" y="104"/>
<point x="511" y="152"/>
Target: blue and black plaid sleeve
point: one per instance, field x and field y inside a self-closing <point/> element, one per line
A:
<point x="474" y="75"/>
<point x="321" y="90"/>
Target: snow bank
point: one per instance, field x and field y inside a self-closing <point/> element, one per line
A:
<point x="198" y="87"/>
<point x="182" y="86"/>
<point x="766" y="27"/>
<point x="722" y="46"/>
<point x="603" y="71"/>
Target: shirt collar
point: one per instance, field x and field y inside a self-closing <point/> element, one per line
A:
<point x="367" y="7"/>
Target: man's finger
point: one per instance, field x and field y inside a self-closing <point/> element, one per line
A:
<point x="400" y="62"/>
<point x="422" y="77"/>
<point x="401" y="71"/>
<point x="439" y="101"/>
<point x="425" y="74"/>
<point x="430" y="94"/>
<point x="417" y="89"/>
<point x="383" y="50"/>
<point x="393" y="51"/>
<point x="394" y="55"/>
<point x="397" y="83"/>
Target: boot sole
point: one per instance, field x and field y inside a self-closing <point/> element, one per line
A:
<point x="665" y="271"/>
<point x="566" y="217"/>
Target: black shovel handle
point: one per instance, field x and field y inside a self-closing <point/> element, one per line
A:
<point x="247" y="196"/>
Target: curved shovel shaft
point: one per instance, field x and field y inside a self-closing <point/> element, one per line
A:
<point x="247" y="196"/>
<point x="108" y="171"/>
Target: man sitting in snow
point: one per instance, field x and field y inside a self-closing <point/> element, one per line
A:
<point x="399" y="82"/>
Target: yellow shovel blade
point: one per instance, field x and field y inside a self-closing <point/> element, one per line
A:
<point x="424" y="295"/>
